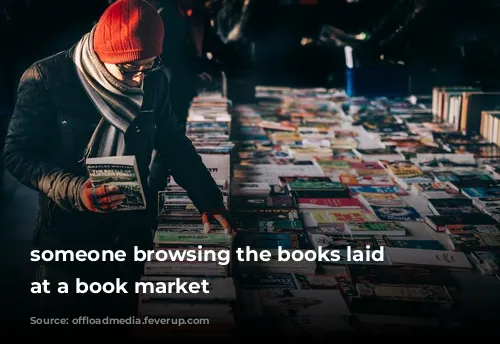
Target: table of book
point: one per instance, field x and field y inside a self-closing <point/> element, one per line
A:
<point x="311" y="169"/>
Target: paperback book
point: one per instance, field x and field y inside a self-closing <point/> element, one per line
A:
<point x="120" y="171"/>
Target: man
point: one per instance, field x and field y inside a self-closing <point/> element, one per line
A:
<point x="105" y="96"/>
<point x="187" y="38"/>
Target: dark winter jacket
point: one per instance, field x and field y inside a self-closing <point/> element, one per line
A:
<point x="52" y="123"/>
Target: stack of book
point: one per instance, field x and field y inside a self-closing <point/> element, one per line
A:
<point x="463" y="106"/>
<point x="404" y="196"/>
<point x="180" y="237"/>
<point x="369" y="175"/>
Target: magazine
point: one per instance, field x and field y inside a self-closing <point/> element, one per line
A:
<point x="119" y="171"/>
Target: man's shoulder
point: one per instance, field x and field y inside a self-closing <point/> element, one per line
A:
<point x="57" y="64"/>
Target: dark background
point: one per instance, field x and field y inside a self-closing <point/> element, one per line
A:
<point x="438" y="42"/>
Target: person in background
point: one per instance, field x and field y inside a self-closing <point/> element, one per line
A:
<point x="108" y="95"/>
<point x="188" y="37"/>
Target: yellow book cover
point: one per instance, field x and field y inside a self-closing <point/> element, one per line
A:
<point x="342" y="216"/>
<point x="404" y="169"/>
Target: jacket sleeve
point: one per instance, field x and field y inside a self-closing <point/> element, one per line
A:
<point x="25" y="153"/>
<point x="186" y="165"/>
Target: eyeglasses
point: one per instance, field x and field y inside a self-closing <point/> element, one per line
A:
<point x="129" y="69"/>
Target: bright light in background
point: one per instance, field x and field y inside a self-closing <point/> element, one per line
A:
<point x="361" y="36"/>
<point x="349" y="62"/>
<point x="209" y="56"/>
<point x="306" y="41"/>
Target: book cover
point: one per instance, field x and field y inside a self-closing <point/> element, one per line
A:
<point x="377" y="228"/>
<point x="382" y="199"/>
<point x="396" y="214"/>
<point x="378" y="189"/>
<point x="404" y="169"/>
<point x="313" y="218"/>
<point x="262" y="202"/>
<point x="287" y="241"/>
<point x="481" y="192"/>
<point x="277" y="226"/>
<point x="382" y="180"/>
<point x="328" y="203"/>
<point x="120" y="171"/>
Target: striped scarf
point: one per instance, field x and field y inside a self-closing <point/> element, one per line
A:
<point x="117" y="103"/>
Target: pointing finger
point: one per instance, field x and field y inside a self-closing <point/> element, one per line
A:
<point x="206" y="228"/>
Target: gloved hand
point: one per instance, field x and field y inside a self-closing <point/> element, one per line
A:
<point x="221" y="215"/>
<point x="101" y="199"/>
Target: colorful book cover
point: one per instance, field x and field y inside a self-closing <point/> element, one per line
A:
<point x="340" y="216"/>
<point x="378" y="189"/>
<point x="270" y="226"/>
<point x="382" y="199"/>
<point x="305" y="185"/>
<point x="287" y="241"/>
<point x="381" y="227"/>
<point x="318" y="203"/>
<point x="404" y="169"/>
<point x="481" y="192"/>
<point x="366" y="180"/>
<point x="396" y="214"/>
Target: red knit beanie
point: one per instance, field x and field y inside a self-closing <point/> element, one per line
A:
<point x="129" y="30"/>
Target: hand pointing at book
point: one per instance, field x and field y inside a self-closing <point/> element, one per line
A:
<point x="221" y="215"/>
<point x="101" y="199"/>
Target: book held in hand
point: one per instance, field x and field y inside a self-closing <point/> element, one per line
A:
<point x="120" y="171"/>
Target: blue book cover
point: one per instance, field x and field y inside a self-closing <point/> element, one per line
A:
<point x="396" y="213"/>
<point x="481" y="192"/>
<point x="378" y="189"/>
